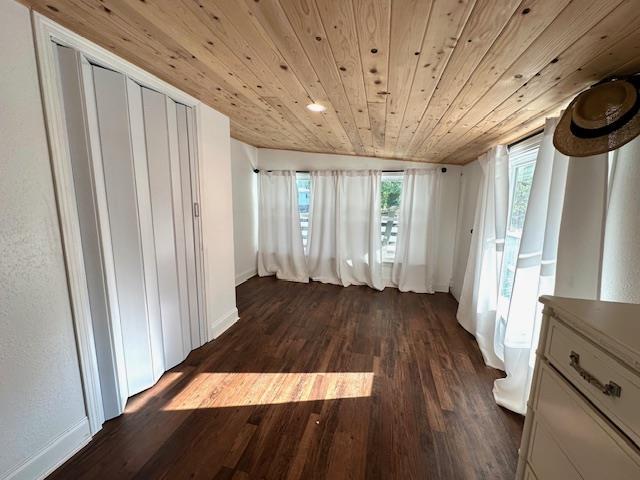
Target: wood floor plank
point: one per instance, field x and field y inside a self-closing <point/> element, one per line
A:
<point x="317" y="381"/>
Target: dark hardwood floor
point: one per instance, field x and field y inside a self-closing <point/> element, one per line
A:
<point x="317" y="381"/>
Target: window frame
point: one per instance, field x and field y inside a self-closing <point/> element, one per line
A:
<point x="521" y="154"/>
<point x="388" y="259"/>
<point x="304" y="232"/>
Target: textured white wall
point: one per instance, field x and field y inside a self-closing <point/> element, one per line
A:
<point x="578" y="270"/>
<point x="40" y="388"/>
<point x="217" y="218"/>
<point x="621" y="258"/>
<point x="448" y="199"/>
<point x="244" y="158"/>
<point x="471" y="177"/>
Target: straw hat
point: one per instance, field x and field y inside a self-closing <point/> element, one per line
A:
<point x="600" y="119"/>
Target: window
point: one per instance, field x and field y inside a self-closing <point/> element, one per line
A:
<point x="522" y="164"/>
<point x="303" y="182"/>
<point x="390" y="191"/>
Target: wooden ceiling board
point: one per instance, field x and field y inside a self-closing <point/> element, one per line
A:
<point x="443" y="32"/>
<point x="279" y="30"/>
<point x="621" y="59"/>
<point x="409" y="20"/>
<point x="426" y="80"/>
<point x="253" y="47"/>
<point x="372" y="21"/>
<point x="597" y="54"/>
<point x="569" y="26"/>
<point x="483" y="27"/>
<point x="519" y="33"/>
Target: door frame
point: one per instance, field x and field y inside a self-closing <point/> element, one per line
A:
<point x="46" y="34"/>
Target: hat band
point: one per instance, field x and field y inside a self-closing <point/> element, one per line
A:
<point x="581" y="132"/>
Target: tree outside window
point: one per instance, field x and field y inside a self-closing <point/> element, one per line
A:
<point x="390" y="192"/>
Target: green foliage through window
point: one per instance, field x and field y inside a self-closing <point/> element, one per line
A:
<point x="390" y="196"/>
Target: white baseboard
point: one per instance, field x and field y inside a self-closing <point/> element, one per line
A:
<point x="58" y="451"/>
<point x="218" y="327"/>
<point x="244" y="276"/>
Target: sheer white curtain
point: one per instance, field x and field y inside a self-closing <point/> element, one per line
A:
<point x="322" y="246"/>
<point x="280" y="247"/>
<point x="417" y="247"/>
<point x="567" y="247"/>
<point x="517" y="335"/>
<point x="479" y="296"/>
<point x="344" y="238"/>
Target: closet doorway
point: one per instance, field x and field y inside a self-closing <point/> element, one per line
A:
<point x="133" y="158"/>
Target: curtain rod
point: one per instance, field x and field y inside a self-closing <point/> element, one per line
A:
<point x="257" y="170"/>
<point x="537" y="131"/>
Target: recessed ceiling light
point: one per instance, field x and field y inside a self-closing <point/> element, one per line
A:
<point x="316" y="107"/>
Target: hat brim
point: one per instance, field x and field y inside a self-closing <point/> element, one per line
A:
<point x="568" y="143"/>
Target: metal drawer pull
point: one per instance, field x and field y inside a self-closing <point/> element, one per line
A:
<point x="611" y="389"/>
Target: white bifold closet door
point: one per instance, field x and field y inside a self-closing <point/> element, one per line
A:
<point x="135" y="293"/>
<point x="104" y="307"/>
<point x="167" y="208"/>
<point x="132" y="153"/>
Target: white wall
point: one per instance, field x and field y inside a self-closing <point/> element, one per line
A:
<point x="42" y="413"/>
<point x="269" y="159"/>
<point x="214" y="150"/>
<point x="471" y="177"/>
<point x="621" y="256"/>
<point x="244" y="158"/>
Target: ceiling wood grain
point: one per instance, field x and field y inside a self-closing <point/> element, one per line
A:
<point x="426" y="80"/>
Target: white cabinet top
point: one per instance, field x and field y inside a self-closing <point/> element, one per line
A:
<point x="614" y="326"/>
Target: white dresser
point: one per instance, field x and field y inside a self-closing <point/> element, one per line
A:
<point x="583" y="420"/>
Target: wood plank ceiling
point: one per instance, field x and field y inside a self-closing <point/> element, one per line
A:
<point x="427" y="80"/>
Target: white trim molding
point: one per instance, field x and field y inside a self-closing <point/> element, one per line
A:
<point x="221" y="325"/>
<point x="244" y="276"/>
<point x="54" y="454"/>
<point x="44" y="31"/>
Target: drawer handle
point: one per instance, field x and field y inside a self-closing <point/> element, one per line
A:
<point x="611" y="389"/>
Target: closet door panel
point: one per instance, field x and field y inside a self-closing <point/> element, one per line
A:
<point x="160" y="183"/>
<point x="114" y="334"/>
<point x="79" y="152"/>
<point x="136" y="120"/>
<point x="178" y="224"/>
<point x="187" y="209"/>
<point x="119" y="183"/>
<point x="197" y="244"/>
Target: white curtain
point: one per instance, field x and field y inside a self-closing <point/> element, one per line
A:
<point x="417" y="249"/>
<point x="344" y="238"/>
<point x="322" y="246"/>
<point x="517" y="335"/>
<point x="280" y="247"/>
<point x="479" y="296"/>
<point x="579" y="239"/>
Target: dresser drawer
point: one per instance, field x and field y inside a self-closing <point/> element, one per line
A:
<point x="546" y="458"/>
<point x="585" y="365"/>
<point x="569" y="423"/>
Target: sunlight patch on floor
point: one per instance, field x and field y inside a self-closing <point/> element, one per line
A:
<point x="137" y="402"/>
<point x="217" y="390"/>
